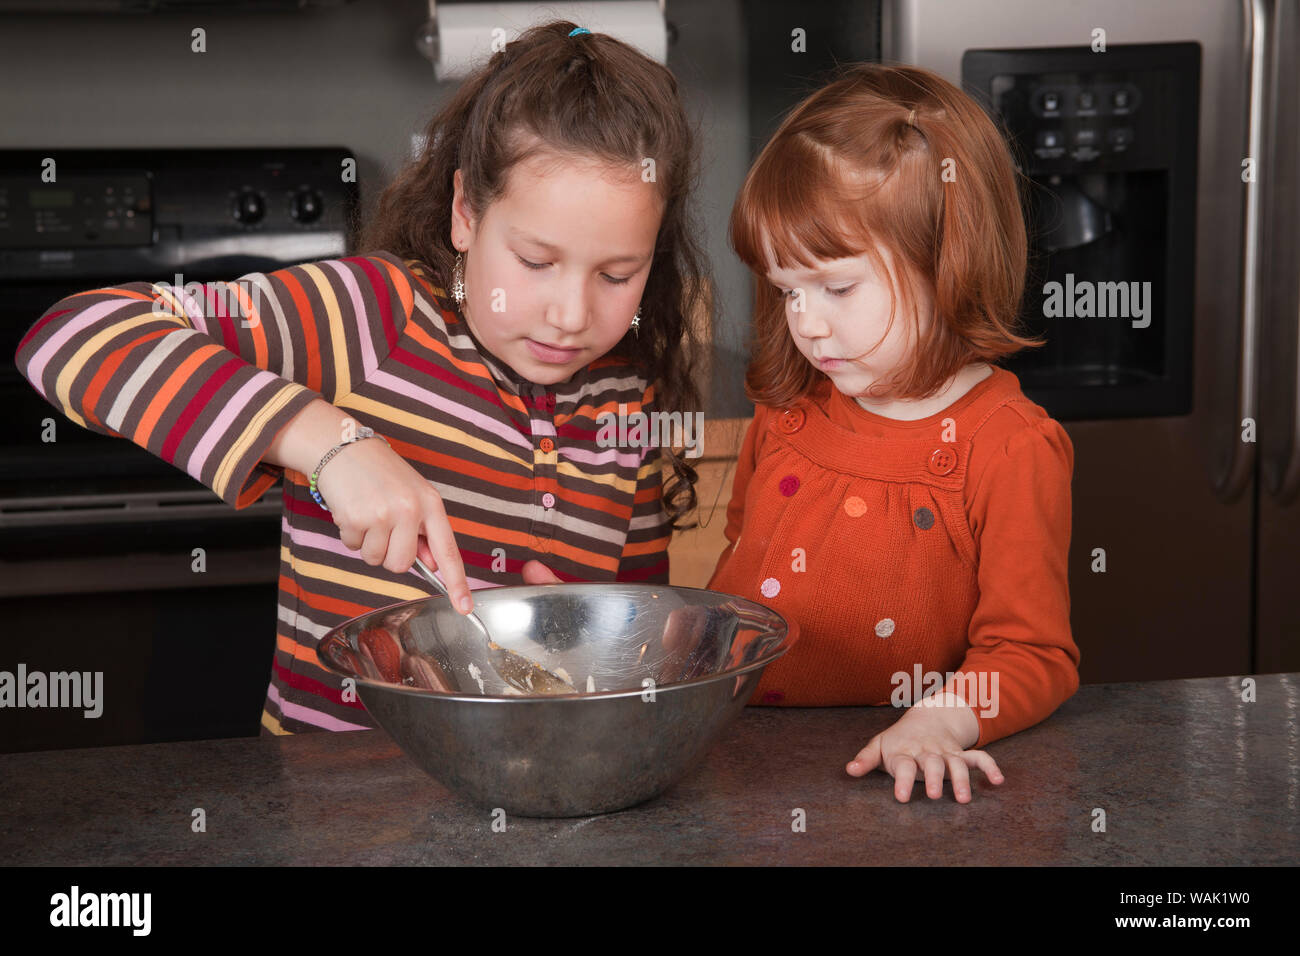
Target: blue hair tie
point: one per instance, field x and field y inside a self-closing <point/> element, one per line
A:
<point x="576" y="30"/>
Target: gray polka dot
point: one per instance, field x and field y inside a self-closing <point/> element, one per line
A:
<point x="924" y="518"/>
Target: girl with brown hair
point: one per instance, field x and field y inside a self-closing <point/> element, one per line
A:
<point x="532" y="268"/>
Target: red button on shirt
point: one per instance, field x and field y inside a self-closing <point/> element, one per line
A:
<point x="548" y="446"/>
<point x="792" y="420"/>
<point x="942" y="461"/>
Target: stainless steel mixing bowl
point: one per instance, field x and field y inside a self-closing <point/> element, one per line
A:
<point x="667" y="669"/>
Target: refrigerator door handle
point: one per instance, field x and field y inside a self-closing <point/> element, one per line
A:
<point x="1232" y="480"/>
<point x="1281" y="471"/>
<point x="1284" y="480"/>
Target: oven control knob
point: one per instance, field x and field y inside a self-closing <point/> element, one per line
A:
<point x="307" y="206"/>
<point x="249" y="207"/>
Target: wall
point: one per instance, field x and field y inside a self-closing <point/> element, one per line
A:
<point x="349" y="77"/>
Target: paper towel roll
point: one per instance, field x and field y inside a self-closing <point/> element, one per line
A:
<point x="469" y="33"/>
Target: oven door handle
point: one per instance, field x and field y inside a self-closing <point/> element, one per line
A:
<point x="132" y="508"/>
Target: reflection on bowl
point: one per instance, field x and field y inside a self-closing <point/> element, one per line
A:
<point x="660" y="672"/>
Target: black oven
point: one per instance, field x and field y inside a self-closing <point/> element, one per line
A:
<point x="112" y="561"/>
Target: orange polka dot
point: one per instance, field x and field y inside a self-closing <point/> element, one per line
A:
<point x="855" y="506"/>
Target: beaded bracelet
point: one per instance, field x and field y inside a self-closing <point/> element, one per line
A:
<point x="362" y="432"/>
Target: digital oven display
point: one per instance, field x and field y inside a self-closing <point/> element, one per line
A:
<point x="51" y="198"/>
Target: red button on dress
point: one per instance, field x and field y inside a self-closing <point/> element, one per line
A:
<point x="548" y="446"/>
<point x="792" y="420"/>
<point x="789" y="485"/>
<point x="942" y="461"/>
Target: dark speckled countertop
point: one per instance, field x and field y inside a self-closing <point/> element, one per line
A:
<point x="1186" y="773"/>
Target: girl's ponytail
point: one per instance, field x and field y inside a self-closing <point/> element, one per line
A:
<point x="977" y="180"/>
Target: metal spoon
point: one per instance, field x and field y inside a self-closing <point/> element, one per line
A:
<point x="515" y="669"/>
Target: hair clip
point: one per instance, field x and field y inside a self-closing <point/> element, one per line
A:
<point x="576" y="30"/>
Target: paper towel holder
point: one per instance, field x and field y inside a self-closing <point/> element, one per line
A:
<point x="426" y="38"/>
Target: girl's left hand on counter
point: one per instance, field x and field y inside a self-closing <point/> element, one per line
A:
<point x="931" y="740"/>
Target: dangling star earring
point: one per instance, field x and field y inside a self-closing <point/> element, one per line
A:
<point x="458" y="279"/>
<point x="636" y="322"/>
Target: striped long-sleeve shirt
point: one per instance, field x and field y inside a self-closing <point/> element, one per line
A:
<point x="207" y="381"/>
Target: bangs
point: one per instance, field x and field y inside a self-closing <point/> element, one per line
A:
<point x="795" y="208"/>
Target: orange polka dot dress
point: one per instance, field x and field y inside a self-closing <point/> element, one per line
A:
<point x="910" y="554"/>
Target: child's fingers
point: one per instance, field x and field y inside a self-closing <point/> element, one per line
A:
<point x="534" y="572"/>
<point x="351" y="537"/>
<point x="867" y="760"/>
<point x="978" y="758"/>
<point x="934" y="774"/>
<point x="447" y="557"/>
<point x="960" y="776"/>
<point x="375" y="544"/>
<point x="402" y="547"/>
<point x="932" y="765"/>
<point x="904" y="777"/>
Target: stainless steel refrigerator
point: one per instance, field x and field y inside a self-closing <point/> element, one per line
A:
<point x="1160" y="144"/>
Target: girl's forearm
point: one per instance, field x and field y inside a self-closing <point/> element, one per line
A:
<point x="308" y="436"/>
